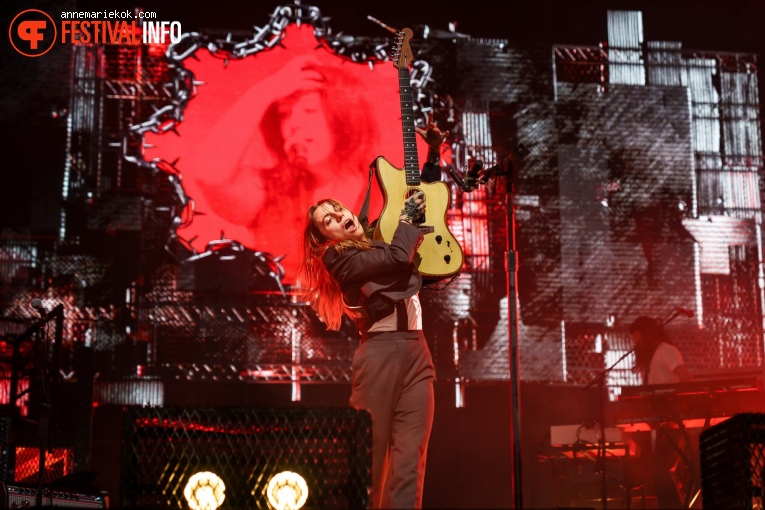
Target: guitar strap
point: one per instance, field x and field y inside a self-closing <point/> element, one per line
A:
<point x="364" y="213"/>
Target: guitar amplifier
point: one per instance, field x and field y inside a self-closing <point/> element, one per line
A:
<point x="25" y="496"/>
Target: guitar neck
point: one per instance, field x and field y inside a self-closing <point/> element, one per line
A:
<point x="411" y="165"/>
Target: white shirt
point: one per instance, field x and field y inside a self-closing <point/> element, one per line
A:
<point x="390" y="322"/>
<point x="663" y="364"/>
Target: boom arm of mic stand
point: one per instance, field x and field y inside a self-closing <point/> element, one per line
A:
<point x="505" y="167"/>
<point x="58" y="313"/>
<point x="674" y="315"/>
<point x="602" y="375"/>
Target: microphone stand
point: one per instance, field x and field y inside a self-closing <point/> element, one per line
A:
<point x="44" y="423"/>
<point x="600" y="380"/>
<point x="41" y="350"/>
<point x="511" y="270"/>
<point x="470" y="183"/>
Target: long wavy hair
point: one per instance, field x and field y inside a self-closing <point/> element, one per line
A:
<point x="651" y="335"/>
<point x="345" y="105"/>
<point x="319" y="288"/>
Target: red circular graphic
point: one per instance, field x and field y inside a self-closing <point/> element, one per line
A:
<point x="43" y="52"/>
<point x="268" y="136"/>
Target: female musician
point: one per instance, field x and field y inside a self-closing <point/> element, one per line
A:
<point x="377" y="284"/>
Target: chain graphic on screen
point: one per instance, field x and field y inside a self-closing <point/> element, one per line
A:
<point x="184" y="87"/>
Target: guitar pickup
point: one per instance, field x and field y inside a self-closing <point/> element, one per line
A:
<point x="426" y="229"/>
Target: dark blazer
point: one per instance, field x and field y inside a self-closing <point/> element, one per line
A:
<point x="384" y="273"/>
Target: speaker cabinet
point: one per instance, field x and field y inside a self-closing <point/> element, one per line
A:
<point x="733" y="463"/>
<point x="236" y="453"/>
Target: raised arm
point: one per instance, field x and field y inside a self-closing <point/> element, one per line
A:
<point x="431" y="169"/>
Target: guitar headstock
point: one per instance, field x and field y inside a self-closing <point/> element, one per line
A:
<point x="402" y="53"/>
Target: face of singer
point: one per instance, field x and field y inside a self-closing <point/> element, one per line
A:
<point x="305" y="131"/>
<point x="337" y="224"/>
<point x="637" y="337"/>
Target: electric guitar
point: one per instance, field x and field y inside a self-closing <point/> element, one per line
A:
<point x="440" y="255"/>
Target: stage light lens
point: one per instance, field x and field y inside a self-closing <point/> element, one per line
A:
<point x="205" y="491"/>
<point x="287" y="491"/>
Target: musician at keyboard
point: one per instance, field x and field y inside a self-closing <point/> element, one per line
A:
<point x="658" y="361"/>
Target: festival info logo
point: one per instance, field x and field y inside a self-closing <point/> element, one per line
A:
<point x="32" y="33"/>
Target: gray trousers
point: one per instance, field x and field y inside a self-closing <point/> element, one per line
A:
<point x="393" y="380"/>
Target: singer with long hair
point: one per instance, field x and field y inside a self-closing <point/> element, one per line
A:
<point x="658" y="361"/>
<point x="377" y="284"/>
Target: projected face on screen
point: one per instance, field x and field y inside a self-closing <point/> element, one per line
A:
<point x="267" y="136"/>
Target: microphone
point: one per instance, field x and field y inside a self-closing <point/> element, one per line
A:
<point x="38" y="305"/>
<point x="471" y="179"/>
<point x="457" y="179"/>
<point x="686" y="312"/>
<point x="505" y="166"/>
<point x="502" y="168"/>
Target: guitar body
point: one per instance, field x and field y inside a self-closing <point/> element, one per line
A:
<point x="440" y="255"/>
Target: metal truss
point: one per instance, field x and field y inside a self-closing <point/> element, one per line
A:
<point x="329" y="372"/>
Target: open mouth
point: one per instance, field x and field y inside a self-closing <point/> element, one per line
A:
<point x="348" y="224"/>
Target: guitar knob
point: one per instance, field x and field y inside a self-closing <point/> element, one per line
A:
<point x="439" y="239"/>
<point x="447" y="258"/>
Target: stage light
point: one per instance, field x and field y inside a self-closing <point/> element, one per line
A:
<point x="287" y="491"/>
<point x="205" y="491"/>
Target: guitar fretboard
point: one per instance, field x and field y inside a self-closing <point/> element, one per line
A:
<point x="411" y="165"/>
